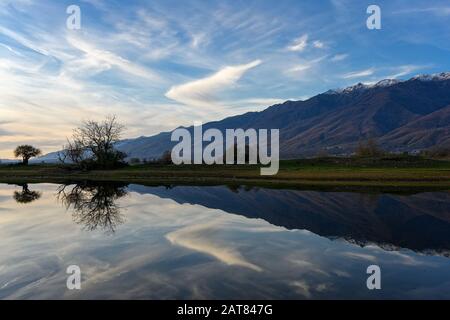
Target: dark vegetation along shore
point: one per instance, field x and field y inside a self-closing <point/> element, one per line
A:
<point x="386" y="174"/>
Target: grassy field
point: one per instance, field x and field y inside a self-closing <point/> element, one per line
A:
<point x="387" y="174"/>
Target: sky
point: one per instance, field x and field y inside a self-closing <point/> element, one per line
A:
<point x="161" y="64"/>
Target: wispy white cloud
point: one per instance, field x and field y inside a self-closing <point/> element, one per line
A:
<point x="438" y="11"/>
<point x="339" y="57"/>
<point x="318" y="44"/>
<point x="198" y="40"/>
<point x="299" y="44"/>
<point x="402" y="71"/>
<point x="359" y="74"/>
<point x="23" y="40"/>
<point x="11" y="50"/>
<point x="201" y="92"/>
<point x="5" y="5"/>
<point x="300" y="68"/>
<point x="101" y="59"/>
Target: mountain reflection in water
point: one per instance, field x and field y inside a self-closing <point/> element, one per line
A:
<point x="186" y="242"/>
<point x="420" y="222"/>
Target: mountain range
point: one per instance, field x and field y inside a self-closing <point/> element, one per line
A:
<point x="403" y="116"/>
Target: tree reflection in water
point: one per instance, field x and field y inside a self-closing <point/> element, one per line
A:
<point x="26" y="195"/>
<point x="94" y="205"/>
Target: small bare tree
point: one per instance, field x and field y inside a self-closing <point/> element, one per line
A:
<point x="95" y="141"/>
<point x="73" y="152"/>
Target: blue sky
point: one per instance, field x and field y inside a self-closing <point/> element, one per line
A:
<point x="161" y="64"/>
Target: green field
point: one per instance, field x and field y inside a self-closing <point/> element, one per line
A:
<point x="387" y="174"/>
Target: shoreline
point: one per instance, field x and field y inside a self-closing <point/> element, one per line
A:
<point x="296" y="174"/>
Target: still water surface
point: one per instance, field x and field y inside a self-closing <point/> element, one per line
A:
<point x="220" y="243"/>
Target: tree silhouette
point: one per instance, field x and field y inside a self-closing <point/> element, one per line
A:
<point x="26" y="152"/>
<point x="93" y="145"/>
<point x="26" y="196"/>
<point x="94" y="204"/>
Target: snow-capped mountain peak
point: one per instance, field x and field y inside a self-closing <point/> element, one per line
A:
<point x="386" y="83"/>
<point x="390" y="82"/>
<point x="354" y="88"/>
<point x="433" y="77"/>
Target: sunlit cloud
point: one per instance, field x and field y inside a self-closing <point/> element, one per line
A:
<point x="201" y="92"/>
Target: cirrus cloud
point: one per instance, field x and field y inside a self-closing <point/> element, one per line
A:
<point x="299" y="44"/>
<point x="102" y="59"/>
<point x="359" y="74"/>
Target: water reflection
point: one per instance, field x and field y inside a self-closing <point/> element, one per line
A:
<point x="26" y="195"/>
<point x="94" y="205"/>
<point x="191" y="242"/>
<point x="420" y="222"/>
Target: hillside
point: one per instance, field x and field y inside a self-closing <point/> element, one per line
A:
<point x="403" y="115"/>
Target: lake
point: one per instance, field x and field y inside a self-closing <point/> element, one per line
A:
<point x="187" y="242"/>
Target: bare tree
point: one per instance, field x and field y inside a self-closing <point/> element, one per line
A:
<point x="95" y="141"/>
<point x="72" y="151"/>
<point x="26" y="152"/>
